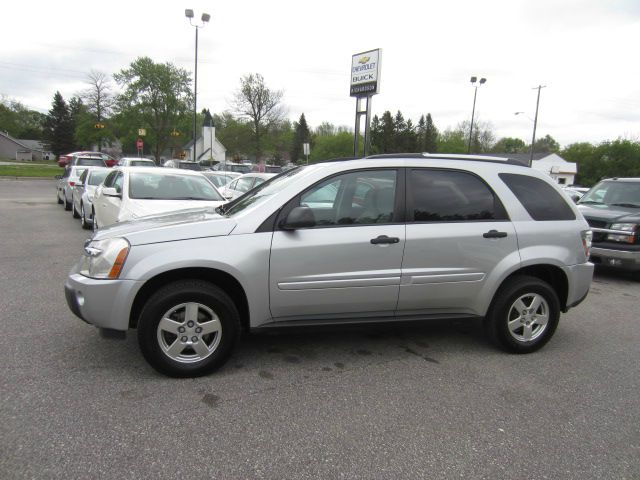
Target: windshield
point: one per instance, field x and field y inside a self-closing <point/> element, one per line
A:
<point x="170" y="186"/>
<point x="97" y="177"/>
<point x="141" y="163"/>
<point x="260" y="193"/>
<point x="611" y="192"/>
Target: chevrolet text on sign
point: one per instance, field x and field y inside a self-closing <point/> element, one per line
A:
<point x="365" y="73"/>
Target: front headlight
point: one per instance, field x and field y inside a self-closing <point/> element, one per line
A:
<point x="623" y="227"/>
<point x="104" y="259"/>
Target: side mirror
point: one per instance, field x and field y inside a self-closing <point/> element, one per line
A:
<point x="111" y="192"/>
<point x="299" y="217"/>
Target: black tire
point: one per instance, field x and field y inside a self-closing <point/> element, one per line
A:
<point x="74" y="212"/>
<point x="64" y="201"/>
<point x="154" y="341"/>
<point x="95" y="220"/>
<point x="58" y="197"/>
<point x="83" y="219"/>
<point x="505" y="309"/>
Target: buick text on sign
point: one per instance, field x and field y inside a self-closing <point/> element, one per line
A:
<point x="365" y="73"/>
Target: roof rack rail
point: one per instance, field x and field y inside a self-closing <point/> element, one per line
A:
<point x="449" y="156"/>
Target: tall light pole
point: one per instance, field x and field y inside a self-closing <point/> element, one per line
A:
<point x="475" y="84"/>
<point x="205" y="18"/>
<point x="535" y="123"/>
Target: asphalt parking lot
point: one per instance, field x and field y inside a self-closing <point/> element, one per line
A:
<point x="430" y="401"/>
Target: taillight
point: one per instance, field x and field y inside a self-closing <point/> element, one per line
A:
<point x="587" y="236"/>
<point x="72" y="184"/>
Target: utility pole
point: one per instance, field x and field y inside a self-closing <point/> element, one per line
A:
<point x="535" y="122"/>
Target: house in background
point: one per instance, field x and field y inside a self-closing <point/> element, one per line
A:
<point x="562" y="172"/>
<point x="23" y="150"/>
<point x="208" y="147"/>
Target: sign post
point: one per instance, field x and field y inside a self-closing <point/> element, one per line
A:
<point x="305" y="148"/>
<point x="365" y="83"/>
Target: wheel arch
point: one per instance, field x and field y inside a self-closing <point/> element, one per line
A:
<point x="222" y="280"/>
<point x="551" y="274"/>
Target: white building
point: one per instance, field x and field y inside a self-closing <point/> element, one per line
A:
<point x="562" y="172"/>
<point x="208" y="147"/>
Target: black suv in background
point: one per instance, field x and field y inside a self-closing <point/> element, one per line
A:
<point x="612" y="208"/>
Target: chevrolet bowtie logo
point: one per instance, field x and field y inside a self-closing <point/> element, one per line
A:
<point x="364" y="60"/>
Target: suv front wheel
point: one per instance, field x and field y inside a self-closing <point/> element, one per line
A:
<point x="188" y="328"/>
<point x="524" y="315"/>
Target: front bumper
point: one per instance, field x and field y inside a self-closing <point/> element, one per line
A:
<point x="621" y="259"/>
<point x="103" y="303"/>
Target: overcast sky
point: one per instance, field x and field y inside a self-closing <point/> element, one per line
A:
<point x="584" y="51"/>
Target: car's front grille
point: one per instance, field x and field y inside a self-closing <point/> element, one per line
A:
<point x="597" y="236"/>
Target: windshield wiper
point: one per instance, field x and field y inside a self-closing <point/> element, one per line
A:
<point x="629" y="205"/>
<point x="591" y="202"/>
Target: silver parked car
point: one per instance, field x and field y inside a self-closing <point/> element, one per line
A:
<point x="83" y="194"/>
<point x="220" y="179"/>
<point x="381" y="239"/>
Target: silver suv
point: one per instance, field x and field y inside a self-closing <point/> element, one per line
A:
<point x="381" y="239"/>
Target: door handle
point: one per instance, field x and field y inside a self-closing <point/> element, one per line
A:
<point x="384" y="239"/>
<point x="494" y="234"/>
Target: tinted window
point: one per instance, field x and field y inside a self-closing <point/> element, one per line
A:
<point x="540" y="199"/>
<point x="91" y="162"/>
<point x="117" y="183"/>
<point x="108" y="182"/>
<point x="450" y="196"/>
<point x="364" y="197"/>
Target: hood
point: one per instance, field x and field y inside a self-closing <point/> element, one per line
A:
<point x="143" y="208"/>
<point x="171" y="226"/>
<point x="610" y="214"/>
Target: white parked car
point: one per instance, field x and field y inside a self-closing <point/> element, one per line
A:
<point x="66" y="182"/>
<point x="243" y="184"/>
<point x="83" y="192"/>
<point x="136" y="162"/>
<point x="128" y="193"/>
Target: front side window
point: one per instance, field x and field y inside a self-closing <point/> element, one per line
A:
<point x="451" y="196"/>
<point x="108" y="182"/>
<point x="361" y="198"/>
<point x="117" y="183"/>
<point x="97" y="177"/>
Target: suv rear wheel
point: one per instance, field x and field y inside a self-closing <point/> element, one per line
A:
<point x="188" y="328"/>
<point x="524" y="315"/>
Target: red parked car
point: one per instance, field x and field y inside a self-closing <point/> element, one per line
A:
<point x="65" y="160"/>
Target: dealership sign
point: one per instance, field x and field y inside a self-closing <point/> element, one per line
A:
<point x="365" y="73"/>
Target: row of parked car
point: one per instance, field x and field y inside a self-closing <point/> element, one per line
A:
<point x="101" y="196"/>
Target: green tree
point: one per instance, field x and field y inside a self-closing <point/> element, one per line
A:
<point x="546" y="144"/>
<point x="260" y="105"/>
<point x="234" y="133"/>
<point x="301" y="136"/>
<point x="156" y="96"/>
<point x="327" y="147"/>
<point x="453" y="141"/>
<point x="59" y="129"/>
<point x="387" y="142"/>
<point x="509" y="145"/>
<point x="19" y="121"/>
<point x="430" y="136"/>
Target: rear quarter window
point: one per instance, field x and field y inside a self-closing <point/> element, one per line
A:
<point x="541" y="200"/>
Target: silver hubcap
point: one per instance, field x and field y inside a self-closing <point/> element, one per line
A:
<point x="528" y="317"/>
<point x="189" y="332"/>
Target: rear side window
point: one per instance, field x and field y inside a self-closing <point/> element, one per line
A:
<point x="539" y="198"/>
<point x="451" y="196"/>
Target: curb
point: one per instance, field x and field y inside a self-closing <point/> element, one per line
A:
<point x="26" y="178"/>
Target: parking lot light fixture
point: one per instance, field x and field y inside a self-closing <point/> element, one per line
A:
<point x="475" y="84"/>
<point x="205" y="18"/>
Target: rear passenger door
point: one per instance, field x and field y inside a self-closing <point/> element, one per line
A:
<point x="458" y="238"/>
